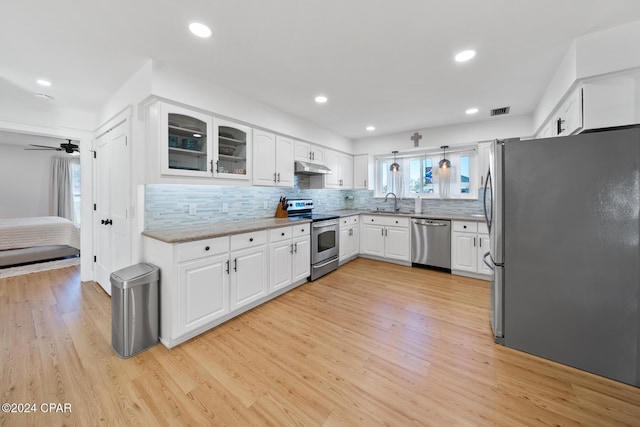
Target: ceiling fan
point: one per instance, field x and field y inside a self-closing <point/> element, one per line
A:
<point x="68" y="147"/>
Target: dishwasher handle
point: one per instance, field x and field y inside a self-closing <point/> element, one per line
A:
<point x="431" y="224"/>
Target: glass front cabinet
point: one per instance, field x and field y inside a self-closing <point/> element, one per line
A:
<point x="196" y="144"/>
<point x="233" y="150"/>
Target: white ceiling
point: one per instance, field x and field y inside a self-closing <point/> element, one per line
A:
<point x="389" y="64"/>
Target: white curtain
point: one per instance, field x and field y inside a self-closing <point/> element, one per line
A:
<point x="61" y="189"/>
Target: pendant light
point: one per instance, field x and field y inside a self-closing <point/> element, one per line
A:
<point x="395" y="167"/>
<point x="444" y="163"/>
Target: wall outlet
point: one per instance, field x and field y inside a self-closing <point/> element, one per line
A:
<point x="192" y="209"/>
<point x="225" y="207"/>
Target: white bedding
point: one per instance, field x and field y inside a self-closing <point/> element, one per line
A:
<point x="18" y="233"/>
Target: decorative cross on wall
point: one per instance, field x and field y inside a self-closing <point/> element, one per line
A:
<point x="416" y="139"/>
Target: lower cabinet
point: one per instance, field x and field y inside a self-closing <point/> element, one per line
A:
<point x="205" y="291"/>
<point x="386" y="237"/>
<point x="289" y="256"/>
<point x="469" y="243"/>
<point x="206" y="282"/>
<point x="249" y="268"/>
<point x="349" y="242"/>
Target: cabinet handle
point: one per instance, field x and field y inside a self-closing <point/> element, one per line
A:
<point x="217" y="169"/>
<point x="559" y="124"/>
<point x="251" y="239"/>
<point x="365" y="182"/>
<point x="291" y="248"/>
<point x="206" y="248"/>
<point x="480" y="243"/>
<point x="211" y="166"/>
<point x="274" y="177"/>
<point x="386" y="232"/>
<point x="382" y="230"/>
<point x="351" y="232"/>
<point x="235" y="264"/>
<point x="278" y="176"/>
<point x="295" y="247"/>
<point x="283" y="234"/>
<point x="228" y="264"/>
<point x="313" y="155"/>
<point x="303" y="230"/>
<point x="474" y="242"/>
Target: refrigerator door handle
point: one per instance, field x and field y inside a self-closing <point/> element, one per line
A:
<point x="487" y="183"/>
<point x="491" y="265"/>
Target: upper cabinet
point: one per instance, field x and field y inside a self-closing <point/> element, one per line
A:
<point x="272" y="160"/>
<point x="185" y="141"/>
<point x="341" y="166"/>
<point x="234" y="151"/>
<point x="305" y="152"/>
<point x="596" y="103"/>
<point x="361" y="172"/>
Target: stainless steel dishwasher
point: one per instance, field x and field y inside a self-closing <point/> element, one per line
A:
<point x="431" y="243"/>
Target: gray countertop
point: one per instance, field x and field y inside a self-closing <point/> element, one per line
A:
<point x="455" y="217"/>
<point x="209" y="231"/>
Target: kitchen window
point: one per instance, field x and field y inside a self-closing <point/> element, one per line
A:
<point x="419" y="175"/>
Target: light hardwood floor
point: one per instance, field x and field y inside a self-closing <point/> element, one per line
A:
<point x="370" y="344"/>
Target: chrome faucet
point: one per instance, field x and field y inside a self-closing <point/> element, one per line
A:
<point x="395" y="201"/>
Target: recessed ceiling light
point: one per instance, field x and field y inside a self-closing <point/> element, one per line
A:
<point x="43" y="96"/>
<point x="465" y="55"/>
<point x="371" y="128"/>
<point x="43" y="82"/>
<point x="200" y="30"/>
<point x="321" y="99"/>
<point x="471" y="111"/>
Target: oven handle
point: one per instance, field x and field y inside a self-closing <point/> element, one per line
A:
<point x="329" y="223"/>
<point x="324" y="263"/>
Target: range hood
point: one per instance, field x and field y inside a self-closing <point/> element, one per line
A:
<point x="306" y="168"/>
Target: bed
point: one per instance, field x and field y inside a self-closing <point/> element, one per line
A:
<point x="28" y="240"/>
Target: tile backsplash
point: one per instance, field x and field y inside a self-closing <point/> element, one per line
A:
<point x="169" y="205"/>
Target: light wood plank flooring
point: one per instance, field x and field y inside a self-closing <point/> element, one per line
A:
<point x="370" y="344"/>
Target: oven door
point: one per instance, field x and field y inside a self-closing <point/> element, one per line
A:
<point x="324" y="238"/>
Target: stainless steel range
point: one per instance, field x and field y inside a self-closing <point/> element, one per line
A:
<point x="325" y="232"/>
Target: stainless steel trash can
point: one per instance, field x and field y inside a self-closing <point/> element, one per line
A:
<point x="134" y="309"/>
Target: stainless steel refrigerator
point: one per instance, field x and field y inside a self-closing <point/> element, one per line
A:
<point x="563" y="216"/>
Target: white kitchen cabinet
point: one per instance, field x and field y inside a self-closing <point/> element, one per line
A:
<point x="273" y="160"/>
<point x="484" y="149"/>
<point x="234" y="150"/>
<point x="594" y="104"/>
<point x="194" y="285"/>
<point x="341" y="166"/>
<point x="204" y="294"/>
<point x="186" y="144"/>
<point x="301" y="253"/>
<point x="386" y="237"/>
<point x="361" y="172"/>
<point x="306" y="152"/>
<point x="249" y="268"/>
<point x="289" y="256"/>
<point x="469" y="242"/>
<point x="349" y="243"/>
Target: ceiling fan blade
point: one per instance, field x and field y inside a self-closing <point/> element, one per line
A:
<point x="42" y="147"/>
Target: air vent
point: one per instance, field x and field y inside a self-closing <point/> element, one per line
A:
<point x="500" y="111"/>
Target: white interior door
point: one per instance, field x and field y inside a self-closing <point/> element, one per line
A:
<point x="112" y="204"/>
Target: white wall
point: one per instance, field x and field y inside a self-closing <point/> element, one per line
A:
<point x="461" y="134"/>
<point x="25" y="181"/>
<point x="173" y="83"/>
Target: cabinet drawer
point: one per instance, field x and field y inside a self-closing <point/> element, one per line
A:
<point x="396" y="221"/>
<point x="202" y="248"/>
<point x="248" y="240"/>
<point x="482" y="228"/>
<point x="349" y="220"/>
<point x="279" y="234"/>
<point x="302" y="230"/>
<point x="465" y="226"/>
